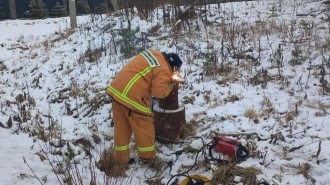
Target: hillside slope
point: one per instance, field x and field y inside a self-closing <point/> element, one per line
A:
<point x="258" y="70"/>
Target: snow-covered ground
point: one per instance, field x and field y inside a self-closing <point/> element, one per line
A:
<point x="48" y="62"/>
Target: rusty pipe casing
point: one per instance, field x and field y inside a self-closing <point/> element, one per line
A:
<point x="169" y="118"/>
<point x="171" y="102"/>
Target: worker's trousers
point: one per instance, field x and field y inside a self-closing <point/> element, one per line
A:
<point x="127" y="122"/>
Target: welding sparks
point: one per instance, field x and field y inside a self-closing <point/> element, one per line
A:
<point x="176" y="76"/>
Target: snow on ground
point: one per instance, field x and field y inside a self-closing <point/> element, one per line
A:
<point x="48" y="61"/>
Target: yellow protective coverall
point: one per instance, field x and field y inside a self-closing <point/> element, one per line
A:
<point x="146" y="75"/>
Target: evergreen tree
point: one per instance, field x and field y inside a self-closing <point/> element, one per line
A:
<point x="2" y="13"/>
<point x="130" y="42"/>
<point x="38" y="10"/>
<point x="57" y="10"/>
<point x="101" y="8"/>
<point x="109" y="4"/>
<point x="82" y="7"/>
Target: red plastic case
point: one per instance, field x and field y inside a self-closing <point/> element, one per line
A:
<point x="226" y="146"/>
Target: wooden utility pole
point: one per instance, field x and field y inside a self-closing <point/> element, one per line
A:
<point x="12" y="6"/>
<point x="73" y="13"/>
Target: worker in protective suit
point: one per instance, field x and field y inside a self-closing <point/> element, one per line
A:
<point x="147" y="74"/>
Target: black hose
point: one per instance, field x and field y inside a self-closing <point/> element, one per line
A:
<point x="185" y="172"/>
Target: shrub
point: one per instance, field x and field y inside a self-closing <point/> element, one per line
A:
<point x="82" y="7"/>
<point x="37" y="9"/>
<point x="101" y="8"/>
<point x="297" y="56"/>
<point x="58" y="10"/>
<point x="2" y="13"/>
<point x="131" y="42"/>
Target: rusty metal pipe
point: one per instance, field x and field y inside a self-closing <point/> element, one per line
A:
<point x="171" y="102"/>
<point x="169" y="118"/>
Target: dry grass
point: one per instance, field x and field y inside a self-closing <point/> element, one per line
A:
<point x="189" y="129"/>
<point x="319" y="105"/>
<point x="45" y="44"/>
<point x="227" y="173"/>
<point x="34" y="55"/>
<point x="319" y="114"/>
<point x="229" y="118"/>
<point x="64" y="35"/>
<point x="266" y="102"/>
<point x="41" y="156"/>
<point x="156" y="164"/>
<point x="226" y="68"/>
<point x="230" y="78"/>
<point x="290" y="116"/>
<point x="261" y="78"/>
<point x="154" y="29"/>
<point x="45" y="134"/>
<point x="188" y="100"/>
<point x="190" y="149"/>
<point x="252" y="114"/>
<point x="252" y="147"/>
<point x="110" y="165"/>
<point x="91" y="55"/>
<point x="305" y="170"/>
<point x="207" y="98"/>
<point x="156" y="181"/>
<point x="96" y="138"/>
<point x="94" y="104"/>
<point x="274" y="138"/>
<point x="232" y="98"/>
<point x="267" y="108"/>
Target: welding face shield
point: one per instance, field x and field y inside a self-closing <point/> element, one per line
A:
<point x="174" y="61"/>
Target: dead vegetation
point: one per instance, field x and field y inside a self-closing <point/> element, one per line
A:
<point x="305" y="170"/>
<point x="188" y="100"/>
<point x="231" y="63"/>
<point x="189" y="129"/>
<point x="91" y="55"/>
<point x="110" y="165"/>
<point x="62" y="35"/>
<point x="261" y="78"/>
<point x="252" y="115"/>
<point x="267" y="108"/>
<point x="156" y="164"/>
<point x="232" y="98"/>
<point x="227" y="174"/>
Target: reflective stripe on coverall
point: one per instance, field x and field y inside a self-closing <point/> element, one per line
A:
<point x="129" y="115"/>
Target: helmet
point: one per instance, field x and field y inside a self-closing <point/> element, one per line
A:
<point x="174" y="61"/>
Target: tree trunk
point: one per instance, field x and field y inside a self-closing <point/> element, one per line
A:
<point x="115" y="5"/>
<point x="12" y="5"/>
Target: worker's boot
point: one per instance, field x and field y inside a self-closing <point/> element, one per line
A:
<point x="153" y="160"/>
<point x="144" y="161"/>
<point x="131" y="161"/>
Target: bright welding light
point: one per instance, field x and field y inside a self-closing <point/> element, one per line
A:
<point x="176" y="76"/>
